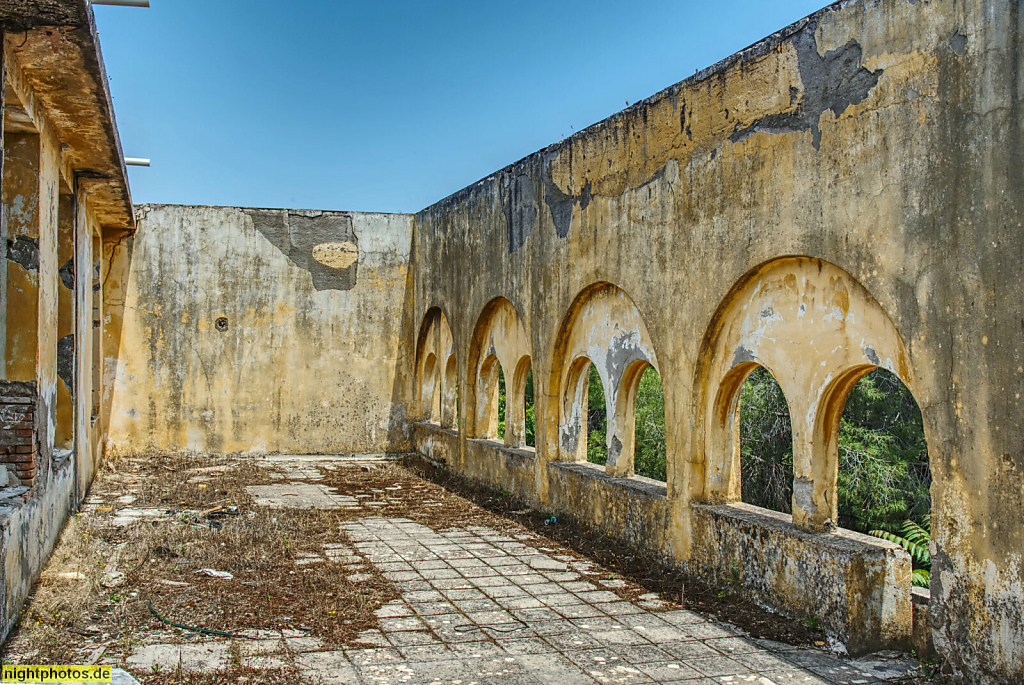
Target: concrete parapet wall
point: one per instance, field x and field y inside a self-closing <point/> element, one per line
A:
<point x="633" y="509"/>
<point x="436" y="443"/>
<point x="512" y="469"/>
<point x="857" y="586"/>
<point x="28" y="534"/>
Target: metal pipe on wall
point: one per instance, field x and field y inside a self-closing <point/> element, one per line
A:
<point x="124" y="3"/>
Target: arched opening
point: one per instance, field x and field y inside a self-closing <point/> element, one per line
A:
<point x="498" y="361"/>
<point x="450" y="395"/>
<point x="577" y="401"/>
<point x="884" y="479"/>
<point x="436" y="371"/>
<point x="602" y="348"/>
<point x="529" y="410"/>
<point x="502" y="403"/>
<point x="649" y="450"/>
<point x="765" y="442"/>
<point x="637" y="447"/>
<point x="520" y="420"/>
<point x="428" y="398"/>
<point x="818" y="331"/>
<point x="489" y="397"/>
<point x="595" y="425"/>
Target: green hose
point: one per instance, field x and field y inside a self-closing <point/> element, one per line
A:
<point x="183" y="627"/>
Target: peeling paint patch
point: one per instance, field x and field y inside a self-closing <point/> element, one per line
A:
<point x="67" y="274"/>
<point x="833" y="82"/>
<point x="298" y="234"/>
<point x="336" y="255"/>
<point x="958" y="44"/>
<point x="803" y="495"/>
<point x="66" y="362"/>
<point x="742" y="356"/>
<point x="560" y="204"/>
<point x="519" y="204"/>
<point x="872" y="356"/>
<point x="614" y="450"/>
<point x="25" y="251"/>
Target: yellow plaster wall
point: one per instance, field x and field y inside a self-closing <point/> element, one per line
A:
<point x="297" y="369"/>
<point x="21" y="204"/>
<point x="885" y="139"/>
<point x="65" y="321"/>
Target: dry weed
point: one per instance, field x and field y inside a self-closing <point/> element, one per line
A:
<point x="81" y="603"/>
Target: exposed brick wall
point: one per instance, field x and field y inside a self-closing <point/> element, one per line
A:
<point x="18" y="444"/>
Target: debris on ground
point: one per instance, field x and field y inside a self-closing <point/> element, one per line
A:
<point x="315" y="567"/>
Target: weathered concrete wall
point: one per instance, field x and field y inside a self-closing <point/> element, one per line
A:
<point x="21" y="209"/>
<point x="854" y="584"/>
<point x="244" y="330"/>
<point x="878" y="140"/>
<point x="47" y="437"/>
<point x="28" y="533"/>
<point x="65" y="409"/>
<point x="63" y="182"/>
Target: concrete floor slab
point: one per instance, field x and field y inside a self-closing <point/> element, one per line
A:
<point x="297" y="496"/>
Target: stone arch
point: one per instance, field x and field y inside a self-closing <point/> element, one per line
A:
<point x="604" y="328"/>
<point x="817" y="330"/>
<point x="436" y="387"/>
<point x="500" y="341"/>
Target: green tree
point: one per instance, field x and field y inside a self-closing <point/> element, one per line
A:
<point x="766" y="443"/>
<point x="649" y="455"/>
<point x="884" y="477"/>
<point x="597" y="424"/>
<point x="531" y="419"/>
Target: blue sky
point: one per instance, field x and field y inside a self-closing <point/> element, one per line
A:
<point x="387" y="106"/>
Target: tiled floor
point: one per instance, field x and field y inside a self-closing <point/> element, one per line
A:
<point x="479" y="606"/>
<point x="482" y="607"/>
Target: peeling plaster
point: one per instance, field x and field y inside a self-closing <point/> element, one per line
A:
<point x="831" y="82"/>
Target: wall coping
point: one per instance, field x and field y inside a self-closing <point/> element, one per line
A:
<point x="647" y="487"/>
<point x="520" y="452"/>
<point x="430" y="425"/>
<point x="839" y="540"/>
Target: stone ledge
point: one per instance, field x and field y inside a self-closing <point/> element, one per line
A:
<point x="17" y="392"/>
<point x="858" y="586"/>
<point x="633" y="510"/>
<point x="841" y="539"/>
<point x="641" y="484"/>
<point x="434" y="442"/>
<point x="528" y="453"/>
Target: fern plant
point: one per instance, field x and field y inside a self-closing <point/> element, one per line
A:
<point x="915" y="539"/>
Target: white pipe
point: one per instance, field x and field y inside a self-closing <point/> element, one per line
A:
<point x="136" y="161"/>
<point x="123" y="3"/>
